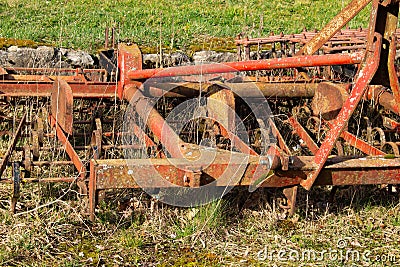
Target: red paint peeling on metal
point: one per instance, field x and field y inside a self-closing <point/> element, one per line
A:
<point x="394" y="80"/>
<point x="335" y="25"/>
<point x="251" y="65"/>
<point x="154" y="121"/>
<point x="349" y="106"/>
<point x="68" y="147"/>
<point x="38" y="88"/>
<point x="303" y="135"/>
<point x="360" y="144"/>
<point x="339" y="171"/>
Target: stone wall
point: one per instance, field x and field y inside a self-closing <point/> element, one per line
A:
<point x="180" y="58"/>
<point x="45" y="57"/>
<point x="52" y="57"/>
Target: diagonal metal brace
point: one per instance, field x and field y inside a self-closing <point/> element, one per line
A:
<point x="363" y="79"/>
<point x="71" y="154"/>
<point x="335" y="25"/>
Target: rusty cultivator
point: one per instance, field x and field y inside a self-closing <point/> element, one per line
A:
<point x="316" y="108"/>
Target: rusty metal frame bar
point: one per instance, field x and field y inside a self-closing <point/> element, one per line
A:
<point x="251" y="65"/>
<point x="301" y="132"/>
<point x="111" y="174"/>
<point x="372" y="70"/>
<point x="119" y="174"/>
<point x="43" y="89"/>
<point x="71" y="153"/>
<point x="12" y="145"/>
<point x="360" y="144"/>
<point x="337" y="23"/>
<point x="154" y="121"/>
<point x="394" y="80"/>
<point x="362" y="81"/>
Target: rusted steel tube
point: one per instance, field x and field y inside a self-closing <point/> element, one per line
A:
<point x="311" y="145"/>
<point x="154" y="121"/>
<point x="191" y="89"/>
<point x="250" y="65"/>
<point x="68" y="147"/>
<point x="54" y="70"/>
<point x="280" y="90"/>
<point x="104" y="147"/>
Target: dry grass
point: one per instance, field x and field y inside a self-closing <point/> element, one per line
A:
<point x="242" y="229"/>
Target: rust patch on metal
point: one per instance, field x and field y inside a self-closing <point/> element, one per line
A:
<point x="329" y="99"/>
<point x="62" y="105"/>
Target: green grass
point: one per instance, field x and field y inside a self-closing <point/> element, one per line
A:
<point x="203" y="218"/>
<point x="179" y="24"/>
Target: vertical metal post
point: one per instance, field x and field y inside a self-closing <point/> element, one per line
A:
<point x="16" y="172"/>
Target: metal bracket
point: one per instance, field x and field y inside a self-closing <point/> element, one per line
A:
<point x="291" y="196"/>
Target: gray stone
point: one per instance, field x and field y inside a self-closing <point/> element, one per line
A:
<point x="3" y="58"/>
<point x="45" y="57"/>
<point x="45" y="53"/>
<point x="12" y="48"/>
<point x="179" y="58"/>
<point x="63" y="51"/>
<point x="264" y="54"/>
<point x="79" y="58"/>
<point x="60" y="64"/>
<point x="51" y="57"/>
<point x="21" y="57"/>
<point x="212" y="56"/>
<point x="150" y="61"/>
<point x="168" y="60"/>
<point x="28" y="57"/>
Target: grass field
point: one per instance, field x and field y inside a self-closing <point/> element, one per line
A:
<point x="177" y="24"/>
